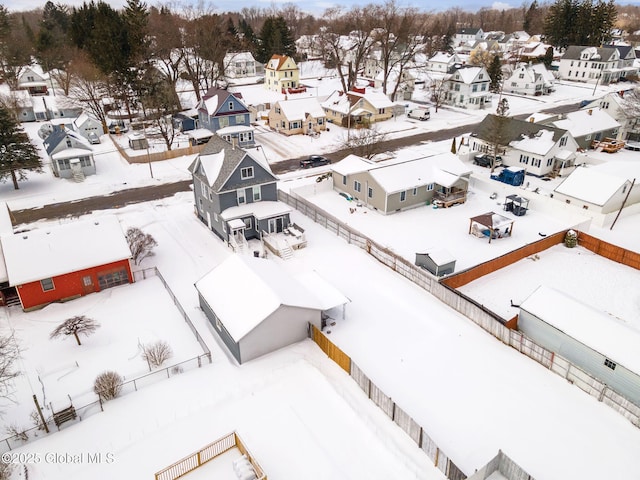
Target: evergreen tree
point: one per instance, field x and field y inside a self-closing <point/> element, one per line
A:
<point x="52" y="44"/>
<point x="548" y="57"/>
<point x="275" y="38"/>
<point x="579" y="22"/>
<point x="248" y="38"/>
<point x="495" y="74"/>
<point x="17" y="154"/>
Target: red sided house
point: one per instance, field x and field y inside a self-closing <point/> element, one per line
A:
<point x="66" y="261"/>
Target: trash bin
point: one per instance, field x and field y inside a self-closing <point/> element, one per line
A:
<point x="256" y="253"/>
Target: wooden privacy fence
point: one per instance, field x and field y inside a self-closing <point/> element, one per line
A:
<point x="389" y="407"/>
<point x="157" y="156"/>
<point x="205" y="454"/>
<point x="488" y="320"/>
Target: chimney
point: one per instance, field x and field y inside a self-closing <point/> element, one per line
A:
<point x="589" y="111"/>
<point x="532" y="120"/>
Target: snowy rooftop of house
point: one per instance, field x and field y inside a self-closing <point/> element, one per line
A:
<point x="586" y="122"/>
<point x="589" y="326"/>
<point x="56" y="250"/>
<point x="72" y="153"/>
<point x="212" y="163"/>
<point x="591" y="185"/>
<point x="328" y="296"/>
<point x="468" y="74"/>
<point x="377" y="99"/>
<point x="260" y="210"/>
<point x="270" y="286"/>
<point x="443" y="57"/>
<point x="234" y="129"/>
<point x="199" y="133"/>
<point x="440" y="256"/>
<point x="298" y="109"/>
<point x="352" y="164"/>
<point x="538" y="144"/>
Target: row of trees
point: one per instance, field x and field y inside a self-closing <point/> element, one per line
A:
<point x="580" y="22"/>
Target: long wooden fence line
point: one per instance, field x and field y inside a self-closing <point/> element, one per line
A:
<point x="389" y="407"/>
<point x="609" y="251"/>
<point x="480" y="315"/>
<point x="157" y="156"/>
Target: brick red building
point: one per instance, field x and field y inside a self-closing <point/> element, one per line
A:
<point x="66" y="261"/>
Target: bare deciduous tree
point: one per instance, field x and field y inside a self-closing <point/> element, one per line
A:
<point x="141" y="244"/>
<point x="364" y="142"/>
<point x="75" y="326"/>
<point x="108" y="385"/>
<point x="156" y="353"/>
<point x="9" y="355"/>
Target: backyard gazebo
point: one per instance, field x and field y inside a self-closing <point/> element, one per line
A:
<point x="492" y="225"/>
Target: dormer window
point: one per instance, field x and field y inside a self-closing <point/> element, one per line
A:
<point x="230" y="105"/>
<point x="481" y="76"/>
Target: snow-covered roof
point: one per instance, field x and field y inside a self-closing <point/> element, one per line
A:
<point x="377" y="99"/>
<point x="469" y="74"/>
<point x="259" y="210"/>
<point x="538" y="144"/>
<point x="199" y="133"/>
<point x="351" y="164"/>
<point x="443" y="57"/>
<point x="234" y="129"/>
<point x="270" y="287"/>
<point x="71" y="153"/>
<point x="591" y="185"/>
<point x="587" y="122"/>
<point x="211" y="164"/>
<point x="445" y="167"/>
<point x="440" y="256"/>
<point x="56" y="250"/>
<point x="298" y="109"/>
<point x="593" y="328"/>
<point x="211" y="104"/>
<point x="328" y="295"/>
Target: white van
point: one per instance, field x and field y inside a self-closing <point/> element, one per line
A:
<point x="419" y="114"/>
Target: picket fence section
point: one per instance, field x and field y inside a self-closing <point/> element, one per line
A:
<point x="479" y="314"/>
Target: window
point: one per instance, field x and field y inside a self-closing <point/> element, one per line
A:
<point x="248" y="223"/>
<point x="246" y="172"/>
<point x="69" y="145"/>
<point x="430" y="187"/>
<point x="239" y="119"/>
<point x="563" y="141"/>
<point x="246" y="137"/>
<point x="278" y="110"/>
<point x="257" y="195"/>
<point x="357" y="186"/>
<point x="63" y="164"/>
<point x="203" y="189"/>
<point x="481" y="76"/>
<point x="572" y="63"/>
<point x="47" y="284"/>
<point x="474" y="87"/>
<point x="112" y="279"/>
<point x="569" y="73"/>
<point x="521" y="75"/>
<point x="344" y="180"/>
<point x="484" y="87"/>
<point x="85" y="161"/>
<point x="415" y="192"/>
<point x="403" y="196"/>
<point x="241" y="197"/>
<point x="370" y="192"/>
<point x="549" y="162"/>
<point x="230" y="105"/>
<point x="320" y="121"/>
<point x="457" y="87"/>
<point x="86" y="281"/>
<point x="609" y="363"/>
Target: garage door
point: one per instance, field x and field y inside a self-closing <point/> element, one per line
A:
<point x="113" y="279"/>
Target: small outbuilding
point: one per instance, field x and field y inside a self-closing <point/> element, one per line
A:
<point x="256" y="307"/>
<point x="137" y="141"/>
<point x="516" y="205"/>
<point x="601" y="345"/>
<point x="491" y="225"/>
<point x="437" y="261"/>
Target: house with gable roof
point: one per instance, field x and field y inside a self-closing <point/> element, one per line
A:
<point x="226" y="114"/>
<point x="235" y="194"/>
<point x="281" y="74"/>
<point x="529" y="80"/>
<point x="621" y="107"/>
<point x="467" y="36"/>
<point x="540" y="149"/>
<point x="626" y="63"/>
<point x="597" y="65"/>
<point x="34" y="80"/>
<point x="585" y="125"/>
<point x="468" y="87"/>
<point x="357" y="107"/>
<point x="402" y="183"/>
<point x="85" y="124"/>
<point x="300" y="116"/>
<point x="443" y="62"/>
<point x="45" y="265"/>
<point x="601" y="188"/>
<point x="70" y="153"/>
<point x="242" y="65"/>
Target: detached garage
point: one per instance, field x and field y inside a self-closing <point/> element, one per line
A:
<point x="600" y="344"/>
<point x="256" y="307"/>
<point x="66" y="261"/>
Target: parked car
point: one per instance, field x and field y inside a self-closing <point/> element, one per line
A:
<point x="314" y="161"/>
<point x="419" y="114"/>
<point x="484" y="160"/>
<point x="93" y="138"/>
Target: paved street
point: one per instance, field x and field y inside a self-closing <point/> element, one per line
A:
<point x="144" y="194"/>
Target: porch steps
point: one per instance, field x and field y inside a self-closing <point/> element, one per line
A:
<point x="12" y="301"/>
<point x="286" y="252"/>
<point x="78" y="176"/>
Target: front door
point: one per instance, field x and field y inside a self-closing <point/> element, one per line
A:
<point x="87" y="284"/>
<point x="276" y="225"/>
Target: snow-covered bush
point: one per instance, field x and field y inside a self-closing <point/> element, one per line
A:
<point x="156" y="353"/>
<point x="108" y="385"/>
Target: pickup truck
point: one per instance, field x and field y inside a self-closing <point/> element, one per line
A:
<point x="484" y="160"/>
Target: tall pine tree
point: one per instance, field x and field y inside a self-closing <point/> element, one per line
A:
<point x="495" y="74"/>
<point x="275" y="38"/>
<point x="17" y="154"/>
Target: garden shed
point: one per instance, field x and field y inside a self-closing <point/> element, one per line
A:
<point x="137" y="141"/>
<point x="437" y="261"/>
<point x="256" y="307"/>
<point x="603" y="346"/>
<point x="491" y="225"/>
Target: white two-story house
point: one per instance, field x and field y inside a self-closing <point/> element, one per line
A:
<point x="468" y="87"/>
<point x="590" y="65"/>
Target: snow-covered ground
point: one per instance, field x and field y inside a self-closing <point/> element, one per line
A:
<point x="300" y="415"/>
